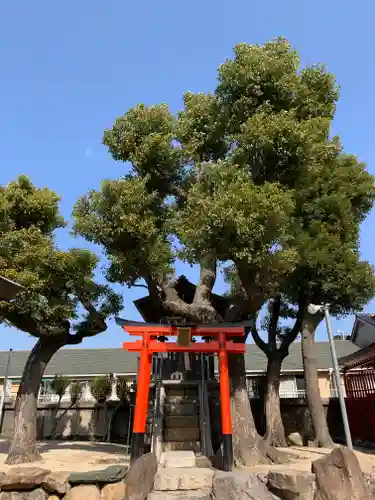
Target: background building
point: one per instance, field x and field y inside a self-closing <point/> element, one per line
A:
<point x="84" y="364"/>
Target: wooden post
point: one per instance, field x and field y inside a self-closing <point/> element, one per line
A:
<point x="226" y="420"/>
<point x="141" y="401"/>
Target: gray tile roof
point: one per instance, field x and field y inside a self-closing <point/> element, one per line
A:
<point x="90" y="362"/>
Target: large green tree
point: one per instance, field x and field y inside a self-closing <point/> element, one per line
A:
<point x="235" y="180"/>
<point x="60" y="303"/>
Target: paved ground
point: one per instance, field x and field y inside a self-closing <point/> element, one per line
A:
<point x="84" y="455"/>
<point x="73" y="455"/>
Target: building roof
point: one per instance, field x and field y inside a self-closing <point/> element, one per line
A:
<point x="90" y="362"/>
<point x="360" y="319"/>
<point x="359" y="359"/>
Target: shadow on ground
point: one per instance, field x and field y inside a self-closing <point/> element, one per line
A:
<point x="96" y="447"/>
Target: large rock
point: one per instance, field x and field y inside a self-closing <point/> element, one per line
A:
<point x="37" y="494"/>
<point x="370" y="483"/>
<point x="114" y="491"/>
<point x="291" y="485"/>
<point x="23" y="478"/>
<point x="191" y="478"/>
<point x="83" y="492"/>
<point x="57" y="482"/>
<point x="295" y="439"/>
<point x="240" y="485"/>
<point x="112" y="474"/>
<point x="140" y="477"/>
<point x="204" y="494"/>
<point x="339" y="477"/>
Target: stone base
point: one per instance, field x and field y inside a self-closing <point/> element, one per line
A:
<point x="178" y="459"/>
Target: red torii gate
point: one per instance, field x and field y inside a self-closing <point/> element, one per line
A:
<point x="222" y="345"/>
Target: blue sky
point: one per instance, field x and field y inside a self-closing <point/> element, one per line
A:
<point x="70" y="68"/>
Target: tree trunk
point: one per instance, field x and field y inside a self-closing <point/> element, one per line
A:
<point x="275" y="432"/>
<point x="23" y="448"/>
<point x="55" y="419"/>
<point x="248" y="447"/>
<point x="314" y="400"/>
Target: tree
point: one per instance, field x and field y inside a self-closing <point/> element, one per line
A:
<point x="276" y="349"/>
<point x="221" y="186"/>
<point x="101" y="388"/>
<point x="60" y="303"/>
<point x="60" y="385"/>
<point x="122" y="391"/>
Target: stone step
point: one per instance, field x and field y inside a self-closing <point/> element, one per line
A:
<point x="203" y="494"/>
<point x="180" y="409"/>
<point x="189" y="478"/>
<point x="182" y="445"/>
<point x="182" y="434"/>
<point x="181" y="391"/>
<point x="178" y="459"/>
<point x="181" y="400"/>
<point x="179" y="421"/>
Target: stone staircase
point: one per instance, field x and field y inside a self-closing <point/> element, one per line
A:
<point x="178" y="478"/>
<point x="181" y="419"/>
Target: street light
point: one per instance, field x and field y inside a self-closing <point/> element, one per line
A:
<point x="8" y="289"/>
<point x="313" y="309"/>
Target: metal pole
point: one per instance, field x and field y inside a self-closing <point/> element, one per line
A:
<point x="336" y="371"/>
<point x="5" y="384"/>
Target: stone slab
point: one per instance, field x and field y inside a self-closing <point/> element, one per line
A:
<point x="140" y="477"/>
<point x="204" y="494"/>
<point x="291" y="484"/>
<point x="187" y="409"/>
<point x="23" y="478"/>
<point x="38" y="494"/>
<point x="183" y="458"/>
<point x="111" y="474"/>
<point x="57" y="482"/>
<point x="240" y="485"/>
<point x="180" y="421"/>
<point x="339" y="477"/>
<point x="183" y="434"/>
<point x="182" y="445"/>
<point x="192" y="478"/>
<point x="83" y="492"/>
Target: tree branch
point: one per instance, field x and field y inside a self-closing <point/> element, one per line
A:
<point x="272" y="329"/>
<point x="196" y="313"/>
<point x="206" y="283"/>
<point x="263" y="346"/>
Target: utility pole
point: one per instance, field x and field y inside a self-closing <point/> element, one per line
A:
<point x="336" y="371"/>
<point x="5" y="385"/>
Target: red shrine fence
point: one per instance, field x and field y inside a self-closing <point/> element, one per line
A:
<point x="360" y="403"/>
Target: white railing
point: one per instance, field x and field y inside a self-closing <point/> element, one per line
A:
<point x="53" y="398"/>
<point x="294" y="394"/>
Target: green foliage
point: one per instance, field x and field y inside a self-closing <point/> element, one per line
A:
<point x="56" y="283"/>
<point x="75" y="391"/>
<point x="249" y="177"/>
<point x="122" y="389"/>
<point x="101" y="387"/>
<point x="60" y="384"/>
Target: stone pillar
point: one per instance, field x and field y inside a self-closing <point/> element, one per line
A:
<point x="157" y="443"/>
<point x="113" y="396"/>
